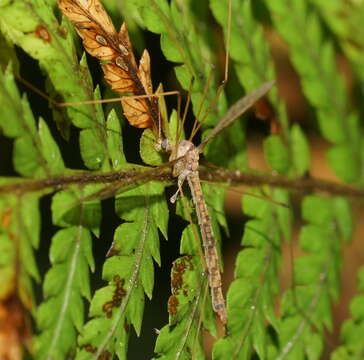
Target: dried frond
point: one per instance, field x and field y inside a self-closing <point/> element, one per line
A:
<point x="101" y="40"/>
<point x="14" y="328"/>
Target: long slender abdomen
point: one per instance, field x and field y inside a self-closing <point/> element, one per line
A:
<point x="209" y="245"/>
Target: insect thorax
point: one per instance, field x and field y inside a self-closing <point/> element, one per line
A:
<point x="188" y="156"/>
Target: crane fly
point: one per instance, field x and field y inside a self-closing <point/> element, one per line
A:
<point x="185" y="161"/>
<point x="186" y="168"/>
<point x="101" y="40"/>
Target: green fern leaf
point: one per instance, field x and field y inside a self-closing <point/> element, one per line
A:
<point x="130" y="273"/>
<point x="57" y="56"/>
<point x="322" y="85"/>
<point x="250" y="295"/>
<point x="67" y="280"/>
<point x="182" y="337"/>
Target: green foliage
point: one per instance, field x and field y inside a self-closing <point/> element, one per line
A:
<point x="342" y="18"/>
<point x="60" y="316"/>
<point x="352" y="346"/>
<point x="79" y="316"/>
<point x="185" y="39"/>
<point x="186" y="306"/>
<point x="250" y="296"/>
<point x="313" y="57"/>
<point x="58" y="58"/>
<point x="129" y="274"/>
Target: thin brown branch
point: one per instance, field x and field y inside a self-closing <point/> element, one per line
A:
<point x="164" y="174"/>
<point x="308" y="185"/>
<point x="123" y="178"/>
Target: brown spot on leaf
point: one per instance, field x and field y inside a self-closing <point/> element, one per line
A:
<point x="172" y="305"/>
<point x="126" y="327"/>
<point x="107" y="306"/>
<point x="6" y="217"/>
<point x="117" y="297"/>
<point x="89" y="348"/>
<point x="106" y="355"/>
<point x="112" y="252"/>
<point x="176" y="281"/>
<point x="178" y="269"/>
<point x="42" y="33"/>
<point x="62" y="31"/>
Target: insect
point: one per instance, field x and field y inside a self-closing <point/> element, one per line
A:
<point x="101" y="40"/>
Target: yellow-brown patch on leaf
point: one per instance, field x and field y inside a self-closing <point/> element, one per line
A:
<point x="42" y="33"/>
<point x="14" y="328"/>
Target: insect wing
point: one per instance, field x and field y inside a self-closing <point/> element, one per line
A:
<point x="236" y="110"/>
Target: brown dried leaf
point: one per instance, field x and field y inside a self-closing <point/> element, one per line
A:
<point x="82" y="11"/>
<point x="14" y="328"/>
<point x="101" y="40"/>
<point x="92" y="24"/>
<point x="144" y="72"/>
<point x="136" y="111"/>
<point x="119" y="79"/>
<point x="125" y="44"/>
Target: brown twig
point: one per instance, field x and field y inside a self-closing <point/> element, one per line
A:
<point x="251" y="179"/>
<point x="164" y="174"/>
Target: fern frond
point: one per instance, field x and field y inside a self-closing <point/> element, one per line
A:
<point x="31" y="157"/>
<point x="306" y="307"/>
<point x="36" y="154"/>
<point x="351" y="346"/>
<point x="53" y="46"/>
<point x="189" y="306"/>
<point x="60" y="317"/>
<point x="313" y="57"/>
<point x="184" y="41"/>
<point x="129" y="272"/>
<point x="265" y="320"/>
<point x="182" y="336"/>
<point x="344" y="21"/>
<point x="250" y="296"/>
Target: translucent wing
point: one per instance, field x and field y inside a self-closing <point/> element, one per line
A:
<point x="236" y="110"/>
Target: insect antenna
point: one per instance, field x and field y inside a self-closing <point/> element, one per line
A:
<point x="162" y="129"/>
<point x="181" y="124"/>
<point x="198" y="122"/>
<point x="220" y="89"/>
